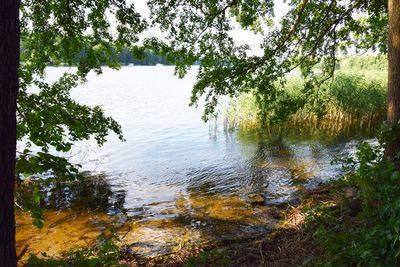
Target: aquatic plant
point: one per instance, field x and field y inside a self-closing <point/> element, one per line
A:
<point x="351" y="100"/>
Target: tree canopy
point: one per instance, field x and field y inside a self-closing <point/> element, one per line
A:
<point x="76" y="33"/>
<point x="309" y="37"/>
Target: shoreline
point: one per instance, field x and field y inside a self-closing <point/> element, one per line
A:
<point x="290" y="244"/>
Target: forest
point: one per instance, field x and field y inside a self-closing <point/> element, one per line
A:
<point x="268" y="137"/>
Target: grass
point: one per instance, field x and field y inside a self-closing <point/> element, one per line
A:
<point x="356" y="98"/>
<point x="363" y="63"/>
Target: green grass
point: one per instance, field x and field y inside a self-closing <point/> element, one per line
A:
<point x="353" y="99"/>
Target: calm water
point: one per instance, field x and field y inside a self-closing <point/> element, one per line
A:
<point x="173" y="163"/>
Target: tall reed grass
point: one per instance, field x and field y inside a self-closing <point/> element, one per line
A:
<point x="355" y="99"/>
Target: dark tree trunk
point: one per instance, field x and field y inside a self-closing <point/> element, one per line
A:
<point x="9" y="63"/>
<point x="393" y="112"/>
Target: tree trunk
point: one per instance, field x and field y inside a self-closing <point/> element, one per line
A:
<point x="9" y="63"/>
<point x="393" y="111"/>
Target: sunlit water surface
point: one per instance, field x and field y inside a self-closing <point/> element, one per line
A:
<point x="176" y="178"/>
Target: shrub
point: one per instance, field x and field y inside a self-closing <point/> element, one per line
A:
<point x="372" y="238"/>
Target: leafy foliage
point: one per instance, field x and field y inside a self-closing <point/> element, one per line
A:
<point x="355" y="94"/>
<point x="309" y="37"/>
<point x="126" y="57"/>
<point x="371" y="238"/>
<point x="75" y="33"/>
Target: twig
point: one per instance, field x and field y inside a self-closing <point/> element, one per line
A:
<point x="24" y="250"/>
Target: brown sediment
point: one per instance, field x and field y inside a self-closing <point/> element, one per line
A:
<point x="209" y="225"/>
<point x="291" y="244"/>
<point x="197" y="220"/>
<point x="62" y="232"/>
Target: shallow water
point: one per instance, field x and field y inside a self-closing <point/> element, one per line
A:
<point x="176" y="179"/>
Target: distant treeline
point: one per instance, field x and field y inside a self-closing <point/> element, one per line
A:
<point x="126" y="58"/>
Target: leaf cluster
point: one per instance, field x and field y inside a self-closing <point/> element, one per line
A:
<point x="308" y="38"/>
<point x="75" y="33"/>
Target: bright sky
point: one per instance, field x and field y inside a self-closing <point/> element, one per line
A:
<point x="239" y="35"/>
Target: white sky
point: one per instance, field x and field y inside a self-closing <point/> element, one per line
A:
<point x="240" y="36"/>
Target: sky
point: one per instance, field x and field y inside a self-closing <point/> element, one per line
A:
<point x="240" y="36"/>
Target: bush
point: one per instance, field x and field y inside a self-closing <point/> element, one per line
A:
<point x="372" y="238"/>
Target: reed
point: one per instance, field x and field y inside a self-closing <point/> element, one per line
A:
<point x="355" y="99"/>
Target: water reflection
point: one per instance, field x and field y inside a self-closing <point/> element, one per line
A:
<point x="92" y="194"/>
<point x="280" y="167"/>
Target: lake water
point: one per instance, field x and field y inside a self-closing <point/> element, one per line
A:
<point x="173" y="167"/>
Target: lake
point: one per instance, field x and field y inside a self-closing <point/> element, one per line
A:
<point x="175" y="177"/>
